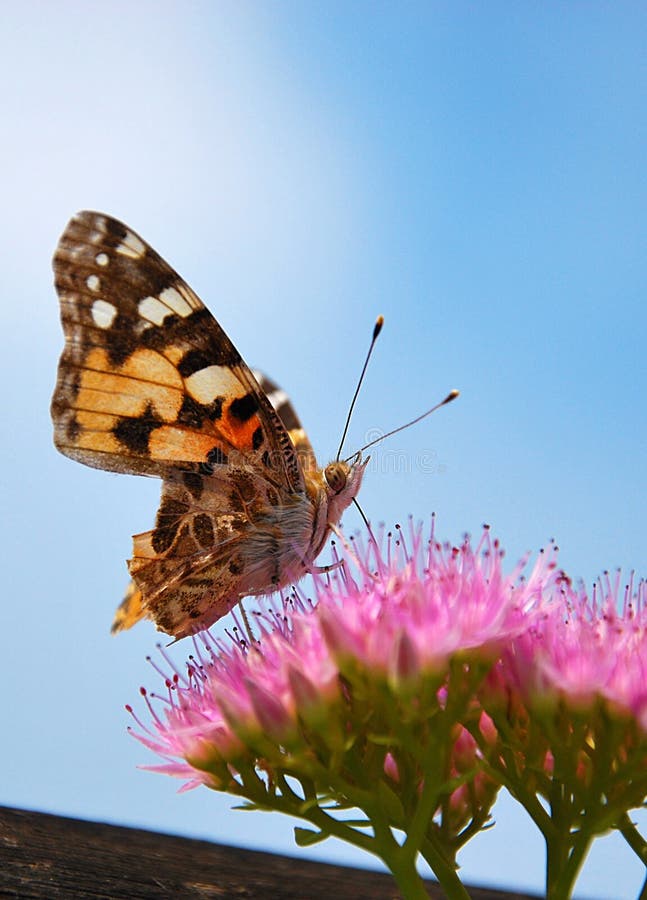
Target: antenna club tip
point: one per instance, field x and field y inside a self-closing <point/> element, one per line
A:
<point x="452" y="395"/>
<point x="379" y="322"/>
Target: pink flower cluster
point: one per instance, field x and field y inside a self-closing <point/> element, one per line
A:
<point x="584" y="650"/>
<point x="423" y="674"/>
<point x="410" y="612"/>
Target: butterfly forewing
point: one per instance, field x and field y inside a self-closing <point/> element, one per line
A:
<point x="148" y="379"/>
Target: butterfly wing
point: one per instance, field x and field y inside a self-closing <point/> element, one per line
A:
<point x="148" y="380"/>
<point x="149" y="383"/>
<point x="190" y="567"/>
<point x="287" y="414"/>
<point x="185" y="510"/>
<point x="184" y="564"/>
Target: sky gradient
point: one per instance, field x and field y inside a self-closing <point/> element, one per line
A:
<point x="475" y="173"/>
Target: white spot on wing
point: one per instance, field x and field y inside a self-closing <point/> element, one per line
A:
<point x="178" y="304"/>
<point x="211" y="382"/>
<point x="102" y="259"/>
<point x="153" y="309"/>
<point x="93" y="282"/>
<point x="103" y="313"/>
<point x="131" y="246"/>
<point x="278" y="398"/>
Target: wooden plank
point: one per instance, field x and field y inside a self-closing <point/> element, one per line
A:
<point x="45" y="857"/>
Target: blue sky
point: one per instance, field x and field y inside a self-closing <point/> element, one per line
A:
<point x="475" y="172"/>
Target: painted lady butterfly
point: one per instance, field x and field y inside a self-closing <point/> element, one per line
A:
<point x="150" y="384"/>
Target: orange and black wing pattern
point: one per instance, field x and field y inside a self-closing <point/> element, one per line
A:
<point x="148" y="380"/>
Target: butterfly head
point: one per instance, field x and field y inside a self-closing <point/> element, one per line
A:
<point x="343" y="479"/>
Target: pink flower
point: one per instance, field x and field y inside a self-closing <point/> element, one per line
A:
<point x="420" y="680"/>
<point x="416" y="609"/>
<point x="585" y="650"/>
<point x="411" y="612"/>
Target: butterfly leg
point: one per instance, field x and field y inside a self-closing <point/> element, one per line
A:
<point x="323" y="570"/>
<point x="248" y="628"/>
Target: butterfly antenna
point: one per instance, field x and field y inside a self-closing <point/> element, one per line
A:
<point x="362" y="514"/>
<point x="366" y="521"/>
<point x="376" y="330"/>
<point x="448" y="399"/>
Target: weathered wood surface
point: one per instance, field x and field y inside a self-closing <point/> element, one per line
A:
<point x="45" y="857"/>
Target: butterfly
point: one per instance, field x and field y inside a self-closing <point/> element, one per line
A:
<point x="149" y="384"/>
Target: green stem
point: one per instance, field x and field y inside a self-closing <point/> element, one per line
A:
<point x="637" y="843"/>
<point x="554" y="865"/>
<point x="406" y="877"/>
<point x="402" y="865"/>
<point x="400" y="860"/>
<point x="510" y="779"/>
<point x="419" y="823"/>
<point x="635" y="840"/>
<point x="444" y="872"/>
<point x="571" y="865"/>
<point x="420" y="841"/>
<point x="290" y="802"/>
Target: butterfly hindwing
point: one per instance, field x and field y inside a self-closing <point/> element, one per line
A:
<point x="148" y="380"/>
<point x="192" y="553"/>
<point x="214" y="541"/>
<point x="287" y="414"/>
<point x="189" y="563"/>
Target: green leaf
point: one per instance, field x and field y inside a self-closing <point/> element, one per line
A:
<point x="304" y="837"/>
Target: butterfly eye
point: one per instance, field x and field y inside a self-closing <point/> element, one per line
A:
<point x="336" y="475"/>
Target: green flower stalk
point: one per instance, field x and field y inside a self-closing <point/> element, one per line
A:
<point x="410" y="694"/>
<point x="569" y="703"/>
